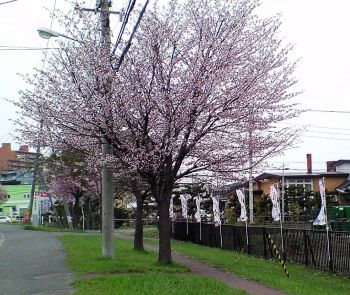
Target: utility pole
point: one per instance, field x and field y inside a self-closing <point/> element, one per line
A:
<point x="107" y="174"/>
<point x="32" y="191"/>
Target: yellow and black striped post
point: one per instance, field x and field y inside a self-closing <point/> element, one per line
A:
<point x="278" y="255"/>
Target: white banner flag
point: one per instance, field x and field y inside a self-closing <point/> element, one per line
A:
<point x="241" y="199"/>
<point x="184" y="199"/>
<point x="322" y="218"/>
<point x="171" y="208"/>
<point x="274" y="196"/>
<point x="198" y="200"/>
<point x="216" y="211"/>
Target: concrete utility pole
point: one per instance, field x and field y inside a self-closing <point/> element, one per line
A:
<point x="107" y="174"/>
<point x="35" y="221"/>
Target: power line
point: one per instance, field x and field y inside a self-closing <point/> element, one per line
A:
<point x="15" y="46"/>
<point x="324" y="132"/>
<point x="329" y="111"/>
<point x="314" y="126"/>
<point x="333" y="138"/>
<point x="8" y="2"/>
<point x="28" y="49"/>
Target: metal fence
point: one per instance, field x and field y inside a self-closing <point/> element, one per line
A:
<point x="302" y="246"/>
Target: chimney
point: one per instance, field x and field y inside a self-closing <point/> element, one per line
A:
<point x="309" y="163"/>
<point x="331" y="167"/>
<point x="24" y="148"/>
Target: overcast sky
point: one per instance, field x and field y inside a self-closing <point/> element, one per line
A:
<point x="318" y="28"/>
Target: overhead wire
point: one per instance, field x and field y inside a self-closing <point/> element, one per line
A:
<point x="6" y="2"/>
<point x="28" y="49"/>
<point x="314" y="126"/>
<point x="328" y="111"/>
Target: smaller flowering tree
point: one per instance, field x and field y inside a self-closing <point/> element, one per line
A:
<point x="71" y="181"/>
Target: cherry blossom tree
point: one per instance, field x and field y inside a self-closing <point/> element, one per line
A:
<point x="181" y="102"/>
<point x="71" y="182"/>
<point x="188" y="87"/>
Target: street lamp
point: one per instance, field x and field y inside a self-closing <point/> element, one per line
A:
<point x="48" y="33"/>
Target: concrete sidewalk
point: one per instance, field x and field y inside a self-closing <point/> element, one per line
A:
<point x="32" y="263"/>
<point x="204" y="269"/>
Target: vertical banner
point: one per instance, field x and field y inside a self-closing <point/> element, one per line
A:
<point x="198" y="201"/>
<point x="243" y="217"/>
<point x="274" y="196"/>
<point x="184" y="199"/>
<point x="198" y="216"/>
<point x="241" y="199"/>
<point x="171" y="213"/>
<point x="171" y="208"/>
<point x="216" y="212"/>
<point x="276" y="211"/>
<point x="322" y="215"/>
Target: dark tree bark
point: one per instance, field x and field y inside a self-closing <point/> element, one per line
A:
<point x="138" y="237"/>
<point x="164" y="255"/>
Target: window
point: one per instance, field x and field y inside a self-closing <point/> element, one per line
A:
<point x="306" y="183"/>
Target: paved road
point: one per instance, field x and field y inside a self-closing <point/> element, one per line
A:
<point x="32" y="262"/>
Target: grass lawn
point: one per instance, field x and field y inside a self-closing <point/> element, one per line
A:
<point x="302" y="281"/>
<point x="51" y="229"/>
<point x="153" y="284"/>
<point x="131" y="272"/>
<point x="150" y="232"/>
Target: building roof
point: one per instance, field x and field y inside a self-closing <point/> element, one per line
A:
<point x="293" y="175"/>
<point x="344" y="186"/>
<point x="342" y="161"/>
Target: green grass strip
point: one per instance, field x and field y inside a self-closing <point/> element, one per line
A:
<point x="302" y="281"/>
<point x="84" y="256"/>
<point x="153" y="284"/>
<point x="131" y="272"/>
<point x="51" y="229"/>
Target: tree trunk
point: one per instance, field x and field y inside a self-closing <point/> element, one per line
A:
<point x="138" y="237"/>
<point x="66" y="209"/>
<point x="76" y="213"/>
<point x="164" y="255"/>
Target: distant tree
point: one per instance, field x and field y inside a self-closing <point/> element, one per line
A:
<point x="3" y="195"/>
<point x="70" y="181"/>
<point x="297" y="199"/>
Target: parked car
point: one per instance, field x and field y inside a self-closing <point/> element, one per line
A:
<point x="5" y="219"/>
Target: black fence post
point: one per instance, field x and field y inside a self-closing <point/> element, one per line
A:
<point x="234" y="237"/>
<point x="331" y="266"/>
<point x="264" y="239"/>
<point x="306" y="248"/>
